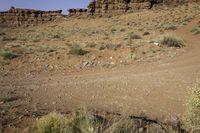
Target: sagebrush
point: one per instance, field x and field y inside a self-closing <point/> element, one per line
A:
<point x="172" y="41"/>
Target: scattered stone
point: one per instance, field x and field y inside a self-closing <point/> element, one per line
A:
<point x="156" y="43"/>
<point x="86" y="63"/>
<point x="112" y="63"/>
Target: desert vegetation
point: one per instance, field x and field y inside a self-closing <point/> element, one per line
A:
<point x="77" y="50"/>
<point x="8" y="54"/>
<point x="84" y="121"/>
<point x="196" y="30"/>
<point x="172" y="41"/>
<point x="192" y="116"/>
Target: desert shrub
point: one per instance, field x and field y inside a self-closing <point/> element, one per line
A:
<point x="120" y="125"/>
<point x="52" y="36"/>
<point x="113" y="30"/>
<point x="169" y="27"/>
<point x="4" y="38"/>
<point x="122" y="30"/>
<point x="83" y="121"/>
<point x="8" y="54"/>
<point x="196" y="30"/>
<point x="109" y="46"/>
<point x="102" y="47"/>
<point x="51" y="123"/>
<point x="2" y="33"/>
<point x="77" y="50"/>
<point x="193" y="112"/>
<point x="172" y="41"/>
<point x="91" y="45"/>
<point x="146" y="33"/>
<point x="188" y="18"/>
<point x="134" y="35"/>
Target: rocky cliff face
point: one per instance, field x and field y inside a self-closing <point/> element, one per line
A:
<point x="113" y="7"/>
<point x="18" y="17"/>
<point x="24" y="17"/>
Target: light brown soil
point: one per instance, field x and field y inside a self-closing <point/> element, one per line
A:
<point x="158" y="89"/>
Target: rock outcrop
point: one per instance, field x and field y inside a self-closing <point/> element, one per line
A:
<point x="113" y="7"/>
<point x="15" y="17"/>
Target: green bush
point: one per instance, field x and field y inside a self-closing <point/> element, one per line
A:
<point x="193" y="112"/>
<point x="196" y="30"/>
<point x="172" y="41"/>
<point x="51" y="123"/>
<point x="77" y="50"/>
<point x="8" y="54"/>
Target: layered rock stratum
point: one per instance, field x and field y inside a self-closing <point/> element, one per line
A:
<point x="113" y="7"/>
<point x="15" y="17"/>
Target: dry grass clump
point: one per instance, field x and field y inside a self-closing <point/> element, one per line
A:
<point x="51" y="123"/>
<point x="193" y="113"/>
<point x="8" y="54"/>
<point x="172" y="41"/>
<point x="77" y="50"/>
<point x="169" y="27"/>
<point x="146" y="33"/>
<point x="196" y="30"/>
<point x="121" y="125"/>
<point x="5" y="38"/>
<point x="84" y="122"/>
<point x="2" y="33"/>
<point x="81" y="122"/>
<point x="134" y="35"/>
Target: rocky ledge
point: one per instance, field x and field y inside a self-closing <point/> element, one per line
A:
<point x="15" y="17"/>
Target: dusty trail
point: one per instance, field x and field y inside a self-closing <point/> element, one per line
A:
<point x="158" y="89"/>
